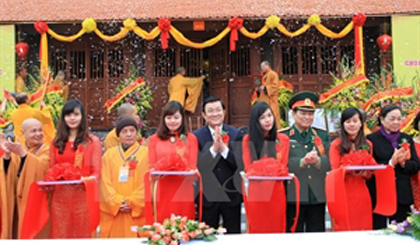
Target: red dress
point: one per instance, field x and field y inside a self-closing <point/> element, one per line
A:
<point x="265" y="202"/>
<point x="357" y="193"/>
<point x="69" y="206"/>
<point x="174" y="194"/>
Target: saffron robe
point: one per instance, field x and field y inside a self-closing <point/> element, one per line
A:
<point x="111" y="139"/>
<point x="44" y="116"/>
<point x="114" y="223"/>
<point x="36" y="166"/>
<point x="8" y="184"/>
<point x="271" y="93"/>
<point x="179" y="85"/>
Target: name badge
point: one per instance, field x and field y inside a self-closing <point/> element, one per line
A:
<point x="123" y="177"/>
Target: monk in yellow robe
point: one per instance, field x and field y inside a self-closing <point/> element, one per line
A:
<point x="111" y="139"/>
<point x="269" y="90"/>
<point x="8" y="181"/>
<point x="25" y="111"/>
<point x="185" y="90"/>
<point x="59" y="80"/>
<point x="20" y="86"/>
<point x="121" y="184"/>
<point x="28" y="162"/>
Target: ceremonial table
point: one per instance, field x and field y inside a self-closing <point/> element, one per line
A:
<point x="336" y="238"/>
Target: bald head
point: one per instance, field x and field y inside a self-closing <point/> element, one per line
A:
<point x="265" y="66"/>
<point x="22" y="99"/>
<point x="32" y="132"/>
<point x="30" y="122"/>
<point x="126" y="110"/>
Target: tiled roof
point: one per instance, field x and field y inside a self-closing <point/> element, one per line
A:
<point x="146" y="10"/>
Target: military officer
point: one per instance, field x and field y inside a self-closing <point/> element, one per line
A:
<point x="308" y="160"/>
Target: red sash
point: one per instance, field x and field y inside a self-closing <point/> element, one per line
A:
<point x="297" y="191"/>
<point x="37" y="213"/>
<point x="149" y="203"/>
<point x="338" y="208"/>
<point x="415" y="186"/>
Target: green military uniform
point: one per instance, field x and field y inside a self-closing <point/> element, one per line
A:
<point x="311" y="176"/>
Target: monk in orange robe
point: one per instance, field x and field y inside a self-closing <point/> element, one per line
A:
<point x="25" y="111"/>
<point x="112" y="139"/>
<point x="180" y="86"/>
<point x="122" y="185"/>
<point x="269" y="90"/>
<point x="22" y="165"/>
<point x="20" y="86"/>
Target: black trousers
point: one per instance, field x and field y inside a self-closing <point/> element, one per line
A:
<point x="311" y="217"/>
<point x="381" y="222"/>
<point x="231" y="216"/>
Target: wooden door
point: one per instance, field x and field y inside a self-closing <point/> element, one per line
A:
<point x="240" y="86"/>
<point x="76" y="70"/>
<point x="309" y="67"/>
<point x="218" y="74"/>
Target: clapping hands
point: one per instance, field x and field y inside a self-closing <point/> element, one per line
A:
<point x="311" y="157"/>
<point x="9" y="147"/>
<point x="399" y="157"/>
<point x="218" y="145"/>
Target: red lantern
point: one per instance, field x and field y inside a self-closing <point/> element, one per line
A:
<point x="22" y="50"/>
<point x="384" y="42"/>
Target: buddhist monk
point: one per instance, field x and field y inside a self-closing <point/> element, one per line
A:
<point x="20" y="86"/>
<point x="185" y="90"/>
<point x="269" y="90"/>
<point x="25" y="111"/>
<point x="8" y="181"/>
<point x="60" y="81"/>
<point x="112" y="139"/>
<point x="23" y="163"/>
<point x="122" y="185"/>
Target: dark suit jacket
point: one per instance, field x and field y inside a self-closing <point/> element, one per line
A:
<point x="221" y="179"/>
<point x="382" y="152"/>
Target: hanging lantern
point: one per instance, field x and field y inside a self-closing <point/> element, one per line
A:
<point x="384" y="42"/>
<point x="22" y="50"/>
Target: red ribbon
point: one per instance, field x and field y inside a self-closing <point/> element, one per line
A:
<point x="297" y="193"/>
<point x="234" y="24"/>
<point x="335" y="191"/>
<point x="164" y="25"/>
<point x="37" y="214"/>
<point x="41" y="27"/>
<point x="148" y="197"/>
<point x="359" y="19"/>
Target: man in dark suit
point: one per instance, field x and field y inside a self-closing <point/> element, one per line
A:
<point x="219" y="163"/>
<point x="308" y="160"/>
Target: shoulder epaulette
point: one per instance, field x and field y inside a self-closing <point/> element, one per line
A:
<point x="283" y="130"/>
<point x="320" y="129"/>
